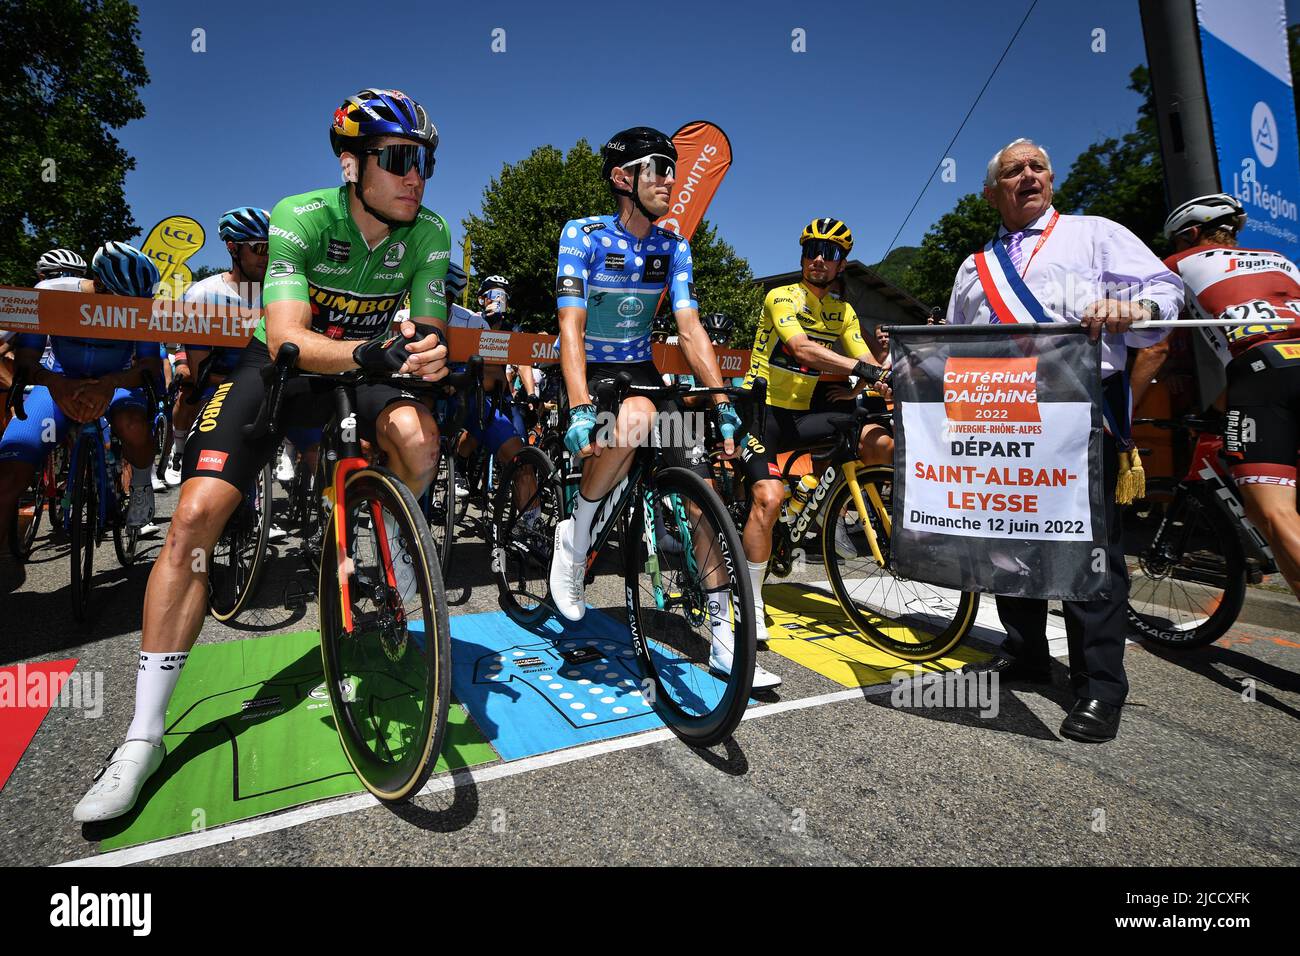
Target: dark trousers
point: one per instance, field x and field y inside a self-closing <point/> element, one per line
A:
<point x="1095" y="629"/>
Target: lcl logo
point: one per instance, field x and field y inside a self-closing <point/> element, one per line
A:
<point x="181" y="237"/>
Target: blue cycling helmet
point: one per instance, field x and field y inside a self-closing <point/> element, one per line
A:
<point x="125" y="270"/>
<point x="455" y="280"/>
<point x="372" y="112"/>
<point x="245" y="224"/>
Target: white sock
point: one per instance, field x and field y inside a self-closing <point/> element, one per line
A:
<point x="154" y="684"/>
<point x="756" y="572"/>
<point x="584" y="512"/>
<point x="720" y="623"/>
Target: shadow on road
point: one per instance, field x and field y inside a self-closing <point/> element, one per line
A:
<point x="1208" y="662"/>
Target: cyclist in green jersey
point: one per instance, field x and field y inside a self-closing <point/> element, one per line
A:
<point x="340" y="263"/>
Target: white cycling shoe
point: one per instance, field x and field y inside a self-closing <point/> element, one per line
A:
<point x="284" y="470"/>
<point x="844" y="545"/>
<point x="720" y="657"/>
<point x="159" y="484"/>
<point x="567" y="573"/>
<point x="118" y="784"/>
<point x="173" y="474"/>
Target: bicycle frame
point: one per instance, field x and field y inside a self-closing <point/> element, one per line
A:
<point x="1206" y="469"/>
<point x="91" y="435"/>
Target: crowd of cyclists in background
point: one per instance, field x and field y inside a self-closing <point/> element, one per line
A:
<point x="611" y="272"/>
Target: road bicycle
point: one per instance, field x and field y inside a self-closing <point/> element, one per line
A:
<point x="1190" y="547"/>
<point x="681" y="560"/>
<point x="385" y="638"/>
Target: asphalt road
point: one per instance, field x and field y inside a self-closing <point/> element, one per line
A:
<point x="816" y="774"/>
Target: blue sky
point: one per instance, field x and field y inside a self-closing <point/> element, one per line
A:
<point x="850" y="128"/>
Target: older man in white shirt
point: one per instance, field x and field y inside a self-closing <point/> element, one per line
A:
<point x="1093" y="271"/>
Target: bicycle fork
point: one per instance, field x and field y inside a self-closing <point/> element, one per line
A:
<point x="855" y="489"/>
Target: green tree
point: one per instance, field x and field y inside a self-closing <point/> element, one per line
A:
<point x="70" y="71"/>
<point x="892" y="267"/>
<point x="947" y="244"/>
<point x="517" y="229"/>
<point x="199" y="273"/>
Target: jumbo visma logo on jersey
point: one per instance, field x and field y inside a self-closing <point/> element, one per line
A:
<point x="355" y="316"/>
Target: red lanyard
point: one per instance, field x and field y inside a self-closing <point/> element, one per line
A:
<point x="1041" y="239"/>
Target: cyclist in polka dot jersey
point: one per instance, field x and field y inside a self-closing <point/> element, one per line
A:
<point x="611" y="272"/>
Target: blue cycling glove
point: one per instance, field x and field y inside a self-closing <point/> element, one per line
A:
<point x="728" y="420"/>
<point x="582" y="422"/>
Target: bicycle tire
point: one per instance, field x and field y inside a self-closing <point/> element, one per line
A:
<point x="243" y="534"/>
<point x="1213" y="575"/>
<point x="83" y="532"/>
<point x="348" y="659"/>
<point x="442" y="517"/>
<point x="20" y="545"/>
<point x="521" y="556"/>
<point x="125" y="538"/>
<point x="670" y="658"/>
<point x="911" y="620"/>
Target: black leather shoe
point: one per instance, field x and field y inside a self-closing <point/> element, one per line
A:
<point x="1008" y="669"/>
<point x="1091" y="721"/>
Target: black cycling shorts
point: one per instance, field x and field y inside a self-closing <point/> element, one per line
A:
<point x="1262" y="437"/>
<point x="671" y="452"/>
<point x="786" y="428"/>
<point x="217" y="447"/>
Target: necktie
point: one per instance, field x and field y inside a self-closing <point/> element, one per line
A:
<point x="1013" y="240"/>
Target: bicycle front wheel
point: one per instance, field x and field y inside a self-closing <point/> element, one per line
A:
<point x="240" y="552"/>
<point x="84" y="530"/>
<point x="690" y="605"/>
<point x="387" y="651"/>
<point x="21" y="540"/>
<point x="909" y="619"/>
<point x="527" y="507"/>
<point x="1187" y="568"/>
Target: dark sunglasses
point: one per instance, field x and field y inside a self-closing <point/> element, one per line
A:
<point x="256" y="248"/>
<point x="824" y="248"/>
<point x="398" y="158"/>
<point x="661" y="166"/>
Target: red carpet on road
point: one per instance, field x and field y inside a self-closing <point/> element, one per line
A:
<point x="27" y="691"/>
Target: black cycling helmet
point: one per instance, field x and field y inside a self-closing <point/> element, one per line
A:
<point x="718" y="325"/>
<point x="628" y="146"/>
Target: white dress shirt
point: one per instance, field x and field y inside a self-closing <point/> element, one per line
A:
<point x="1085" y="258"/>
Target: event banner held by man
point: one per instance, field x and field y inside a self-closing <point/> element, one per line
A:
<point x="998" y="482"/>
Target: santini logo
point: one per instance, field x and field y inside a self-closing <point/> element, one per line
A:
<point x="103" y="909"/>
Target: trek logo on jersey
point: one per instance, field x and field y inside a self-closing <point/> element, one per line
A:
<point x="280" y="269"/>
<point x="570" y="285"/>
<point x="614" y="261"/>
<point x="656" y="269"/>
<point x="393" y="254"/>
<point x="212" y="461"/>
<point x="338" y="250"/>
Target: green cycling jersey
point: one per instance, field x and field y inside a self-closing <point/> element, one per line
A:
<point x="317" y="255"/>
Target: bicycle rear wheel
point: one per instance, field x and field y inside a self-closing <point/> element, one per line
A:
<point x="32" y="497"/>
<point x="909" y="619"/>
<point x="388" y="671"/>
<point x="125" y="538"/>
<point x="84" y="530"/>
<point x="240" y="553"/>
<point x="1187" y="568"/>
<point x="525" y="512"/>
<point x="674" y="596"/>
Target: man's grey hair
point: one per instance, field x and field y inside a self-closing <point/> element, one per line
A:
<point x="991" y="178"/>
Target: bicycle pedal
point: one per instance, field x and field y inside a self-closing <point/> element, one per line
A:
<point x="295" y="597"/>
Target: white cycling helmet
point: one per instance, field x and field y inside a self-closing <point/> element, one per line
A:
<point x="61" y="261"/>
<point x="1211" y="210"/>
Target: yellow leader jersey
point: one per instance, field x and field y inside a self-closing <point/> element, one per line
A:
<point x="791" y="310"/>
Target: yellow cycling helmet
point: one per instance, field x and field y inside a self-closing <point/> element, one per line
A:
<point x="832" y="230"/>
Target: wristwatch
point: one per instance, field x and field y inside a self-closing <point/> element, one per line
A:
<point x="1150" y="307"/>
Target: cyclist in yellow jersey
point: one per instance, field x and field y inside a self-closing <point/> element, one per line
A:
<point x="801" y="323"/>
